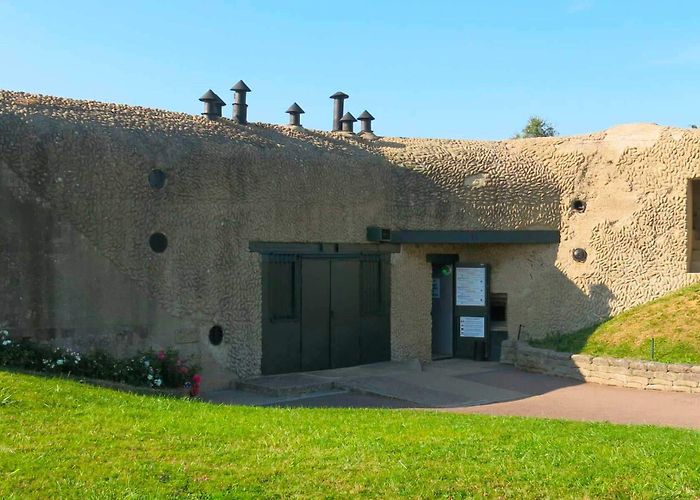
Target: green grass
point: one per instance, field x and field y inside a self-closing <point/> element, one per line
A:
<point x="61" y="438"/>
<point x="673" y="321"/>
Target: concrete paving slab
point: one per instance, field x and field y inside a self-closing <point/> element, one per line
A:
<point x="430" y="389"/>
<point x="287" y="384"/>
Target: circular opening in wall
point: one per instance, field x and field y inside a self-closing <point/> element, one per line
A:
<point x="216" y="335"/>
<point x="578" y="206"/>
<point x="579" y="255"/>
<point x="158" y="242"/>
<point x="156" y="179"/>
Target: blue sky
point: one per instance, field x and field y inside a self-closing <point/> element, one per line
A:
<point x="424" y="69"/>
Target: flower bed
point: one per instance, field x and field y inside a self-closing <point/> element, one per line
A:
<point x="163" y="369"/>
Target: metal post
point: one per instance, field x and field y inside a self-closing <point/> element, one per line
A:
<point x="240" y="108"/>
<point x="338" y="100"/>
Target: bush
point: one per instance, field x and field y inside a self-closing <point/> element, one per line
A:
<point x="149" y="368"/>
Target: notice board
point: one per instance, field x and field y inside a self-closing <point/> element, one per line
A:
<point x="470" y="284"/>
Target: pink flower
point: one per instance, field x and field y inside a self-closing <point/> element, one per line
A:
<point x="160" y="355"/>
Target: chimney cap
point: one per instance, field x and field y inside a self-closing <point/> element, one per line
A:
<point x="347" y="117"/>
<point x="365" y="115"/>
<point x="295" y="108"/>
<point x="209" y="95"/>
<point x="339" y="95"/>
<point x="240" y="86"/>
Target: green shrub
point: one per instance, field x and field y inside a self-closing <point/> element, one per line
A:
<point x="149" y="368"/>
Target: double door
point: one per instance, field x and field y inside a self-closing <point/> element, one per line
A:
<point x="322" y="312"/>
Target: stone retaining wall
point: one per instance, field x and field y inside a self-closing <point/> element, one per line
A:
<point x="646" y="375"/>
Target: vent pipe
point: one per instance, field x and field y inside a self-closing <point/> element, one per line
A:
<point x="346" y="123"/>
<point x="212" y="105"/>
<point x="338" y="99"/>
<point x="365" y="120"/>
<point x="295" y="112"/>
<point x="240" y="108"/>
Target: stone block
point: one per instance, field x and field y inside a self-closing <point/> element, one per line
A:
<point x="615" y="382"/>
<point x="680" y="388"/>
<point x="624" y="363"/>
<point x="657" y="387"/>
<point x="685" y="383"/>
<point x="564" y="356"/>
<point x="614" y="369"/>
<point x="632" y="379"/>
<point x="653" y="366"/>
<point x="678" y="368"/>
<point x="600" y="361"/>
<point x="641" y="373"/>
<point x="581" y="359"/>
<point x="612" y="376"/>
<point x="596" y="380"/>
<point x="695" y="369"/>
<point x="660" y="381"/>
<point x="638" y="365"/>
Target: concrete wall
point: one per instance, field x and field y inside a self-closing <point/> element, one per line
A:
<point x="73" y="176"/>
<point x="647" y="375"/>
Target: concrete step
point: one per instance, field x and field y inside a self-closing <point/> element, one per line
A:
<point x="287" y="384"/>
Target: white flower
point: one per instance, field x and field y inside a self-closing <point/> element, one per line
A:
<point x="6" y="342"/>
<point x="150" y="377"/>
<point x="4" y="333"/>
<point x="158" y="382"/>
<point x="59" y="362"/>
<point x="146" y="363"/>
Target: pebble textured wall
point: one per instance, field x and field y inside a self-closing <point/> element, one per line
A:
<point x="87" y="164"/>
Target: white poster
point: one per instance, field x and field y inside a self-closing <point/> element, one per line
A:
<point x="436" y="288"/>
<point x="470" y="326"/>
<point x="471" y="286"/>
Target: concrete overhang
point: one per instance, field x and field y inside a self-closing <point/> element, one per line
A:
<point x="409" y="236"/>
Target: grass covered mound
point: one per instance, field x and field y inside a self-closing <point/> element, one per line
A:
<point x="673" y="321"/>
<point x="61" y="438"/>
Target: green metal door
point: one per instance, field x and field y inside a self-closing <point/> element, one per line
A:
<point x="281" y="338"/>
<point x="345" y="312"/>
<point x="324" y="311"/>
<point x="315" y="314"/>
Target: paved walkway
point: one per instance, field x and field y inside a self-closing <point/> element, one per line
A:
<point x="465" y="386"/>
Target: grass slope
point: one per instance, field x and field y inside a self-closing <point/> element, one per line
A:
<point x="60" y="438"/>
<point x="673" y="321"/>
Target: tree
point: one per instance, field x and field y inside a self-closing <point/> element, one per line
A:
<point x="536" y="127"/>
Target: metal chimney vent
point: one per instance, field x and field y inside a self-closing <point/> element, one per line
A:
<point x="338" y="100"/>
<point x="295" y="112"/>
<point x="346" y="123"/>
<point x="212" y="105"/>
<point x="240" y="108"/>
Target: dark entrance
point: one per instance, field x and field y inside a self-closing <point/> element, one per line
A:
<point x="322" y="311"/>
<point x="462" y="323"/>
<point x="442" y="311"/>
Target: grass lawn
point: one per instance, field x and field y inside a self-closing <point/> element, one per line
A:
<point x="61" y="438"/>
<point x="673" y="321"/>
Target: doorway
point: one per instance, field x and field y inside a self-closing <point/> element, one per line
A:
<point x="323" y="312"/>
<point x="442" y="311"/>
